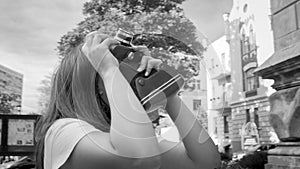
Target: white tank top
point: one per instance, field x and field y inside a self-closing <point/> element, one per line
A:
<point x="61" y="138"/>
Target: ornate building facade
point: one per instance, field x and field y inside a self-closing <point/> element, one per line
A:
<point x="249" y="35"/>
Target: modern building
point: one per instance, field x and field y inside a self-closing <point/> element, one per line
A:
<point x="249" y="35"/>
<point x="11" y="82"/>
<point x="196" y="96"/>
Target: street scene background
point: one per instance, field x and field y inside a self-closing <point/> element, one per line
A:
<point x="233" y="54"/>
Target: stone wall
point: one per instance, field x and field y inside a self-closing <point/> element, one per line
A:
<point x="285" y="22"/>
<point x="284" y="67"/>
<point x="239" y="119"/>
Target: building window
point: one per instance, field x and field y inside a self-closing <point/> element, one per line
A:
<point x="195" y="84"/>
<point x="247" y="115"/>
<point x="251" y="81"/>
<point x="226" y="126"/>
<point x="245" y="8"/>
<point x="249" y="62"/>
<point x="216" y="125"/>
<point x="223" y="59"/>
<point x="256" y="117"/>
<point x="198" y="84"/>
<point x="252" y="39"/>
<point x="244" y="43"/>
<point x="196" y="104"/>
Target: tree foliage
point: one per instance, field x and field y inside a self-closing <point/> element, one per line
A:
<point x="159" y="24"/>
<point x="7" y="102"/>
<point x="131" y="7"/>
<point x="45" y="92"/>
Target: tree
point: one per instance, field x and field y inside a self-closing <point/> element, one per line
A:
<point x="159" y="24"/>
<point x="7" y="102"/>
<point x="45" y="92"/>
<point x="130" y="7"/>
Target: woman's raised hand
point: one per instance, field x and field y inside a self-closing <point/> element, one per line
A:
<point x="96" y="48"/>
<point x="147" y="61"/>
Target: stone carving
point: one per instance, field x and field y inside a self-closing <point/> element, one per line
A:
<point x="285" y="113"/>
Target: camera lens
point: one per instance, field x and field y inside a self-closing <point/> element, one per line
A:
<point x="123" y="50"/>
<point x="124" y="37"/>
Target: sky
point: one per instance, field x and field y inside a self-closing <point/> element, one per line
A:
<point x="30" y="30"/>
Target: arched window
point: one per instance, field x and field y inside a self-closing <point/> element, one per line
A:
<point x="244" y="42"/>
<point x="251" y="81"/>
<point x="252" y="40"/>
<point x="248" y="118"/>
<point x="249" y="60"/>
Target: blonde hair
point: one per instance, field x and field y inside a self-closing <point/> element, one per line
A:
<point x="74" y="94"/>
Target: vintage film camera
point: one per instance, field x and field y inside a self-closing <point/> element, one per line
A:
<point x="152" y="90"/>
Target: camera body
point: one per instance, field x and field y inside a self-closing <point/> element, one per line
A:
<point x="123" y="50"/>
<point x="152" y="90"/>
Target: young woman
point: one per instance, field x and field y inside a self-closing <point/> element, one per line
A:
<point x="95" y="121"/>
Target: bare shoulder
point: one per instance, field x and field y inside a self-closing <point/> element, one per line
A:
<point x="92" y="151"/>
<point x="95" y="151"/>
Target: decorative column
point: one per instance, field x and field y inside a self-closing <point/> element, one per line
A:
<point x="285" y="112"/>
<point x="284" y="68"/>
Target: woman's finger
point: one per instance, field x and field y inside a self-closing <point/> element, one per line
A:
<point x="143" y="63"/>
<point x="152" y="63"/>
<point x="149" y="68"/>
<point x="98" y="38"/>
<point x="109" y="41"/>
<point x="89" y="38"/>
<point x="143" y="49"/>
<point x="158" y="62"/>
<point x="88" y="42"/>
<point x="139" y="48"/>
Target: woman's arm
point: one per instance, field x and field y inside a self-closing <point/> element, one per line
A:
<point x="131" y="133"/>
<point x="199" y="147"/>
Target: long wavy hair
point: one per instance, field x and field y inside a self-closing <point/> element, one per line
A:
<point x="74" y="94"/>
